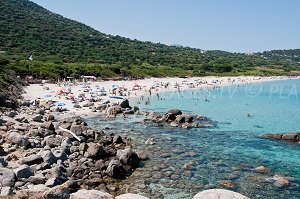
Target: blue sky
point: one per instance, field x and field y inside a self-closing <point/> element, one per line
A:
<point x="231" y="25"/>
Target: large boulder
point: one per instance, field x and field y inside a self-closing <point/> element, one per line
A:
<point x="7" y="177"/>
<point x="32" y="159"/>
<point x="90" y="194"/>
<point x="125" y="104"/>
<point x="127" y="156"/>
<point x="61" y="192"/>
<point x="219" y="194"/>
<point x="171" y="115"/>
<point x="23" y="171"/>
<point x="116" y="170"/>
<point x="113" y="110"/>
<point x="18" y="139"/>
<point x="95" y="151"/>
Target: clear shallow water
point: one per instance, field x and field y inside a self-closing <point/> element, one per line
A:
<point x="228" y="152"/>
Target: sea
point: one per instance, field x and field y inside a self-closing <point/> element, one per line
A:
<point x="183" y="162"/>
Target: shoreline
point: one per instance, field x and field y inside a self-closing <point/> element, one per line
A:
<point x="157" y="85"/>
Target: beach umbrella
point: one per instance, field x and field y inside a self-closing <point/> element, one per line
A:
<point x="59" y="104"/>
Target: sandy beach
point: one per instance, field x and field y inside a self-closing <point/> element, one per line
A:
<point x="68" y="93"/>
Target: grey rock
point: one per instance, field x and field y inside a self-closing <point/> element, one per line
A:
<point x="49" y="126"/>
<point x="116" y="170"/>
<point x="49" y="118"/>
<point x="6" y="191"/>
<point x="125" y="104"/>
<point x="37" y="179"/>
<point x="48" y="157"/>
<point x="61" y="192"/>
<point x="118" y="140"/>
<point x="12" y="114"/>
<point x="7" y="177"/>
<point x="127" y="156"/>
<point x="37" y="118"/>
<point x="95" y="151"/>
<point x="23" y="171"/>
<point x="18" y="139"/>
<point x="77" y="106"/>
<point x="219" y="194"/>
<point x="142" y="155"/>
<point x="3" y="163"/>
<point x="91" y="194"/>
<point x="77" y="129"/>
<point x="32" y="159"/>
<point x="51" y="182"/>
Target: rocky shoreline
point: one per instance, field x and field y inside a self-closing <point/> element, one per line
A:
<point x="46" y="153"/>
<point x="293" y="138"/>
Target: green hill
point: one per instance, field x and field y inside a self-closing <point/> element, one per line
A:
<point x="63" y="47"/>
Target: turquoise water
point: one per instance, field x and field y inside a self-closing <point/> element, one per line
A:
<point x="229" y="151"/>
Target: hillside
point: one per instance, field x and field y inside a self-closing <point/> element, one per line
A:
<point x="63" y="47"/>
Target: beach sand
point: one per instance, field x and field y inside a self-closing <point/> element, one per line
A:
<point x="35" y="91"/>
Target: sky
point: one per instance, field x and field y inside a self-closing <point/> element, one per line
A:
<point x="230" y="25"/>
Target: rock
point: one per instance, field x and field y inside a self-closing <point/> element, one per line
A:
<point x="24" y="171"/>
<point x="188" y="118"/>
<point x="180" y="119"/>
<point x="219" y="194"/>
<point x="32" y="159"/>
<point x="135" y="109"/>
<point x="125" y="104"/>
<point x="118" y="140"/>
<point x="150" y="141"/>
<point x="37" y="118"/>
<point x="188" y="165"/>
<point x="49" y="126"/>
<point x="53" y="140"/>
<point x="18" y="139"/>
<point x="37" y="179"/>
<point x="77" y="106"/>
<point x="279" y="181"/>
<point x="60" y="155"/>
<point x="7" y="177"/>
<point x="95" y="151"/>
<point x="294" y="137"/>
<point x="6" y="191"/>
<point x="49" y="118"/>
<point x="227" y="184"/>
<point x="3" y="163"/>
<point x="261" y="169"/>
<point x="83" y="147"/>
<point x="77" y="129"/>
<point x="113" y="110"/>
<point x="142" y="155"/>
<point x="131" y="196"/>
<point x="51" y="182"/>
<point x="174" y="124"/>
<point x="116" y="170"/>
<point x="61" y="192"/>
<point x="171" y="115"/>
<point x="48" y="157"/>
<point x="90" y="194"/>
<point x="88" y="104"/>
<point x="12" y="114"/>
<point x="127" y="156"/>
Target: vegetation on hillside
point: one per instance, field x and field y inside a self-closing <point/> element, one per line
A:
<point x="62" y="47"/>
